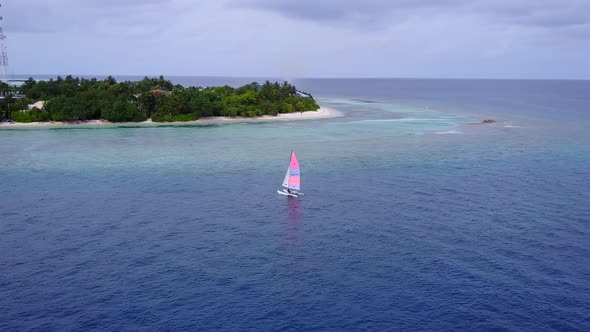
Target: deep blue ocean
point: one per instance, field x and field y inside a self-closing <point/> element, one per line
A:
<point x="416" y="217"/>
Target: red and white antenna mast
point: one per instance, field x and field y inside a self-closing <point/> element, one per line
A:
<point x="3" y="56"/>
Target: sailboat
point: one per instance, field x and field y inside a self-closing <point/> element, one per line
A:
<point x="292" y="180"/>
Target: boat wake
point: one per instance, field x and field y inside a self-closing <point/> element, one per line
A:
<point x="448" y="132"/>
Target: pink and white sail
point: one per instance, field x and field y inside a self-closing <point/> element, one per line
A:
<point x="292" y="179"/>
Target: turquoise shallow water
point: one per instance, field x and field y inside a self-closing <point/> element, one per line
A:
<point x="414" y="218"/>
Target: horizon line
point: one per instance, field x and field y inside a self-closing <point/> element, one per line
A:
<point x="318" y="77"/>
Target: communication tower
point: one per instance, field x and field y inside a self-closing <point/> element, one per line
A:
<point x="3" y="56"/>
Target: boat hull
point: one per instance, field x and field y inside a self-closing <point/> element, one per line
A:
<point x="282" y="192"/>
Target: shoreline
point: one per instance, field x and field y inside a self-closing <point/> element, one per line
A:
<point x="321" y="113"/>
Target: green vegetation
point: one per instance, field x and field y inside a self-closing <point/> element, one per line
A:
<point x="79" y="99"/>
<point x="174" y="118"/>
<point x="34" y="115"/>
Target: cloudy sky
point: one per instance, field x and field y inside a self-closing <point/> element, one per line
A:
<point x="300" y="38"/>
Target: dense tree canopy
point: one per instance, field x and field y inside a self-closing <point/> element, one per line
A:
<point x="78" y="99"/>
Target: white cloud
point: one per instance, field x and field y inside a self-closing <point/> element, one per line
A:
<point x="453" y="38"/>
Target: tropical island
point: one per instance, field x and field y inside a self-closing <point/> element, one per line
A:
<point x="72" y="99"/>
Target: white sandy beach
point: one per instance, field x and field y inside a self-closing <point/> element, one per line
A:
<point x="322" y="113"/>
